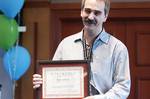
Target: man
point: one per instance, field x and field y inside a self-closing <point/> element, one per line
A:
<point x="110" y="75"/>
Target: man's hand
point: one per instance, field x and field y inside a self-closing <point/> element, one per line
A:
<point x="37" y="81"/>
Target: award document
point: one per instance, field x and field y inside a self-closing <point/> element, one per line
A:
<point x="64" y="79"/>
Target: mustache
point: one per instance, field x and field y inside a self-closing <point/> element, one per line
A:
<point x="89" y="21"/>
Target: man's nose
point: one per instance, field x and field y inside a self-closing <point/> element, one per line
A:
<point x="91" y="16"/>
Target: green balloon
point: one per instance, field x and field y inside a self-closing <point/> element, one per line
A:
<point x="8" y="32"/>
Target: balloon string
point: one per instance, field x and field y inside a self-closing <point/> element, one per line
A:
<point x="17" y="43"/>
<point x="11" y="72"/>
<point x="12" y="64"/>
<point x="14" y="61"/>
<point x="18" y="21"/>
<point x="14" y="86"/>
<point x="9" y="65"/>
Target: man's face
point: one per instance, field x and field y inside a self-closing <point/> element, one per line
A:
<point x="93" y="14"/>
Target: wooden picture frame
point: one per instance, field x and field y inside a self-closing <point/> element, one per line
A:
<point x="68" y="79"/>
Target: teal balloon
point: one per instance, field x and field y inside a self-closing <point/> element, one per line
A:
<point x="11" y="7"/>
<point x="16" y="62"/>
<point x="8" y="32"/>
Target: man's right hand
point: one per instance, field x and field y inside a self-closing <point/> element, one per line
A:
<point x="37" y="80"/>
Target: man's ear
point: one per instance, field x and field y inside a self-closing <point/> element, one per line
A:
<point x="81" y="13"/>
<point x="106" y="16"/>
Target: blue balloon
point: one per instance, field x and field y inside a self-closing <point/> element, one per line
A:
<point x="16" y="62"/>
<point x="11" y="7"/>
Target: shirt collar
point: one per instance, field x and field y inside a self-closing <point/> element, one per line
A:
<point x="79" y="36"/>
<point x="103" y="36"/>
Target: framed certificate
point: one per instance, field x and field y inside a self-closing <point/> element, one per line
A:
<point x="64" y="79"/>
